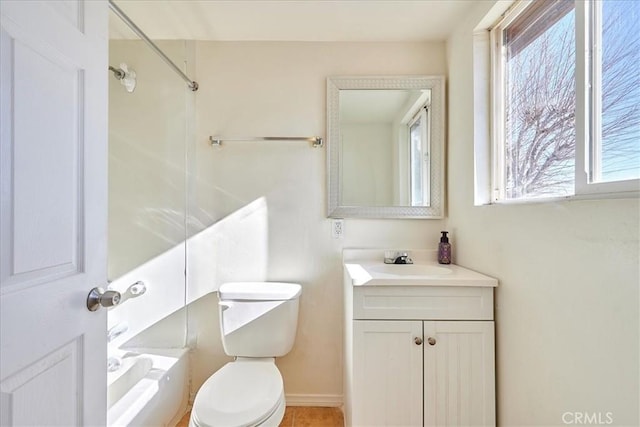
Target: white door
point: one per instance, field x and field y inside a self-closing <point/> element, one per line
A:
<point x="53" y="170"/>
<point x="387" y="373"/>
<point x="459" y="373"/>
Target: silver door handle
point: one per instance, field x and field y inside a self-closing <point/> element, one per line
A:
<point x="98" y="297"/>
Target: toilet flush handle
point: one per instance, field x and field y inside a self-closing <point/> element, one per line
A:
<point x="224" y="305"/>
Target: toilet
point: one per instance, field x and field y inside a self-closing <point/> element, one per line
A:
<point x="258" y="322"/>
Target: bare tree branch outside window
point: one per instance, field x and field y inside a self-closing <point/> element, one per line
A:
<point x="620" y="90"/>
<point x="540" y="103"/>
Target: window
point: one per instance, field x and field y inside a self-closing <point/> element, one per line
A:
<point x="419" y="158"/>
<point x="566" y="99"/>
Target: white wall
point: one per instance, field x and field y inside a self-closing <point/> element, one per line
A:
<point x="146" y="156"/>
<point x="567" y="309"/>
<point x="148" y="134"/>
<point x="278" y="89"/>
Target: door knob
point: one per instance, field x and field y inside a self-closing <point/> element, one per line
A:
<point x="98" y="297"/>
<point x="431" y="341"/>
<point x="417" y="340"/>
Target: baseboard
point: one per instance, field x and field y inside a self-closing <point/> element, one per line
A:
<point x="327" y="400"/>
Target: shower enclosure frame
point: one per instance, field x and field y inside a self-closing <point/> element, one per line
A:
<point x="137" y="376"/>
<point x="193" y="85"/>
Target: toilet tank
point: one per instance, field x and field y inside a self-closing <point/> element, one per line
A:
<point x="258" y="319"/>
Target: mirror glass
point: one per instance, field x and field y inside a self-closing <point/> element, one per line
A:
<point x="385" y="139"/>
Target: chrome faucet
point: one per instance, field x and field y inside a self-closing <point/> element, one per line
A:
<point x="397" y="258"/>
<point x="403" y="259"/>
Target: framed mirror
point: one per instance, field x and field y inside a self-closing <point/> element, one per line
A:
<point x="385" y="142"/>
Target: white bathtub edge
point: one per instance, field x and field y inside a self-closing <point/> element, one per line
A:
<point x="161" y="396"/>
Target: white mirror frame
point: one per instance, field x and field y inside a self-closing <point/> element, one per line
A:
<point x="436" y="84"/>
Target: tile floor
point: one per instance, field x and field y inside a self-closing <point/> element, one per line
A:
<point x="306" y="416"/>
<point x="300" y="416"/>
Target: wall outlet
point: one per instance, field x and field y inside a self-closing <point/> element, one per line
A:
<point x="337" y="228"/>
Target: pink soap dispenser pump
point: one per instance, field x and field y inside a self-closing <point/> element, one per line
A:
<point x="444" y="249"/>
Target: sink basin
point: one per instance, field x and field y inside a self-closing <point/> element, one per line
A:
<point x="410" y="269"/>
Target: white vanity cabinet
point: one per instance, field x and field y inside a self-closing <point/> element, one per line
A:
<point x="414" y="373"/>
<point x="419" y="355"/>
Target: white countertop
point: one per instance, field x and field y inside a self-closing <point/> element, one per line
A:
<point x="366" y="268"/>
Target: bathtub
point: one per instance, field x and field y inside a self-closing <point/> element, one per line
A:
<point x="149" y="389"/>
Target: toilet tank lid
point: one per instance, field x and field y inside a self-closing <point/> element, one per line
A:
<point x="259" y="291"/>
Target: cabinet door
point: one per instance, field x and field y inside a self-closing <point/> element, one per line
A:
<point x="459" y="373"/>
<point x="387" y="371"/>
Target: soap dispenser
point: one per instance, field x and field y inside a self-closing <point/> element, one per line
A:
<point x="444" y="249"/>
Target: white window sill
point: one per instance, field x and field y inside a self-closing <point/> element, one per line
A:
<point x="576" y="197"/>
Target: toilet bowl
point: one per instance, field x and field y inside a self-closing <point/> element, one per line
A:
<point x="243" y="393"/>
<point x="258" y="321"/>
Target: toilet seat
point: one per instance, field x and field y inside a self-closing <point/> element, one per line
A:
<point x="243" y="393"/>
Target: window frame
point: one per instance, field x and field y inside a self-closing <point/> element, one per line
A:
<point x="421" y="117"/>
<point x="587" y="19"/>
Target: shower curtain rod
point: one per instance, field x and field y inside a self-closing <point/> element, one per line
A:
<point x="192" y="84"/>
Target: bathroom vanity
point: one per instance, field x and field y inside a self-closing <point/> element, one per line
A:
<point x="419" y="342"/>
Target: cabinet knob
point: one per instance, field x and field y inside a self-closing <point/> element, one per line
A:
<point x="417" y="340"/>
<point x="431" y="341"/>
